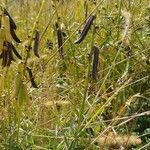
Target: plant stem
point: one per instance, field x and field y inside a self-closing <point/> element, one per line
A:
<point x="87" y="78"/>
<point x="28" y="47"/>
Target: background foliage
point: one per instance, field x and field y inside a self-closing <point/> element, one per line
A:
<point x="69" y="109"/>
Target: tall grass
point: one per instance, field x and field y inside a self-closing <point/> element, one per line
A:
<point x="70" y="109"/>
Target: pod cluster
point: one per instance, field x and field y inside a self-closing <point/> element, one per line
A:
<point x="7" y="35"/>
<point x="95" y="50"/>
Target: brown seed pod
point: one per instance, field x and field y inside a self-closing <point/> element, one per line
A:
<point x="4" y="58"/>
<point x="60" y="41"/>
<point x="15" y="51"/>
<point x="12" y="22"/>
<point x="10" y="52"/>
<point x="95" y="62"/>
<point x="13" y="34"/>
<point x="10" y="56"/>
<point x="31" y="77"/>
<point x="36" y="43"/>
<point x="85" y="29"/>
<point x="7" y="55"/>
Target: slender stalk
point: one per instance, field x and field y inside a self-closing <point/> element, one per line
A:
<point x="87" y="77"/>
<point x="3" y="3"/>
<point x="85" y="89"/>
<point x="28" y="47"/>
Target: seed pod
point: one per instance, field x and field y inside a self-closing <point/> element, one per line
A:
<point x="10" y="55"/>
<point x="4" y="58"/>
<point x="36" y="43"/>
<point x="60" y="41"/>
<point x="95" y="62"/>
<point x="6" y="55"/>
<point x="15" y="51"/>
<point x="12" y="22"/>
<point x="85" y="29"/>
<point x="14" y="36"/>
<point x="31" y="77"/>
<point x="9" y="49"/>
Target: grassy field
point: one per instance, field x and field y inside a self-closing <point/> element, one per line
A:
<point x="84" y="84"/>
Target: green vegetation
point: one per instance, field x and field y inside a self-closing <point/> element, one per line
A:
<point x="82" y="80"/>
